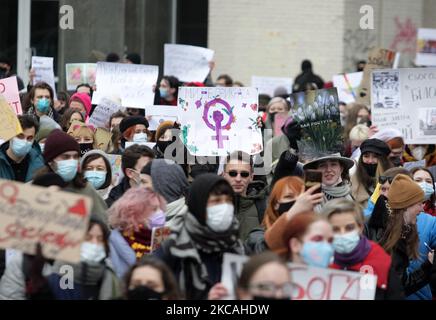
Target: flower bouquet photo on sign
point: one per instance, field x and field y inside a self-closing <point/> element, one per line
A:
<point x="317" y="112"/>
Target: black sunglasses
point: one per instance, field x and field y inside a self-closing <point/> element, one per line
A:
<point x="234" y="173"/>
<point x="383" y="179"/>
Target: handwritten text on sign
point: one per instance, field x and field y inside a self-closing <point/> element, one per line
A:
<point x="30" y="214"/>
<point x="9" y="90"/>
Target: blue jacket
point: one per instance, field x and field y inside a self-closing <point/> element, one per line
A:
<point x="426" y="225"/>
<point x="36" y="162"/>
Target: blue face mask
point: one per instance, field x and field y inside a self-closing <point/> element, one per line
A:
<point x="164" y="92"/>
<point x="347" y="242"/>
<point x="317" y="254"/>
<point x="20" y="147"/>
<point x="140" y="137"/>
<point x="43" y="105"/>
<point x="428" y="189"/>
<point x="96" y="178"/>
<point x="67" y="169"/>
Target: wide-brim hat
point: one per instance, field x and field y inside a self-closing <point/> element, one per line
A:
<point x="347" y="163"/>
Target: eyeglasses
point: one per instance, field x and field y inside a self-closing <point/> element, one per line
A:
<point x="270" y="288"/>
<point x="234" y="173"/>
<point x="383" y="179"/>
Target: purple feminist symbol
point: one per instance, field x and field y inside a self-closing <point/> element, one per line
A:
<point x="218" y="118"/>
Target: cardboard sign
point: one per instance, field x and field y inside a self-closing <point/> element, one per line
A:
<point x="31" y="214"/>
<point x="158" y="235"/>
<point x="157" y="114"/>
<point x="102" y="137"/>
<point x="405" y="99"/>
<point x="10" y="124"/>
<point x="77" y="73"/>
<point x="133" y="83"/>
<point x="217" y="121"/>
<point x="310" y="283"/>
<point x="267" y="85"/>
<point x="9" y="91"/>
<point x="43" y="67"/>
<point x="426" y="47"/>
<point x="102" y="113"/>
<point x="347" y="86"/>
<point x="317" y="112"/>
<point x="377" y="59"/>
<point x="187" y="63"/>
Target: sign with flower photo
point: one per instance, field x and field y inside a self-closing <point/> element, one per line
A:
<point x="317" y="112"/>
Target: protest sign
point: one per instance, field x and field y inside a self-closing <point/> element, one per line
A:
<point x="187" y="63"/>
<point x="10" y="126"/>
<point x="426" y="47"/>
<point x="103" y="138"/>
<point x="78" y="73"/>
<point x="31" y="214"/>
<point x="147" y="144"/>
<point x="347" y="85"/>
<point x="267" y="85"/>
<point x="43" y="67"/>
<point x="158" y="235"/>
<point x="133" y="83"/>
<point x="414" y="164"/>
<point x="9" y="90"/>
<point x="310" y="283"/>
<point x="117" y="172"/>
<point x="157" y="114"/>
<point x="405" y="99"/>
<point x="317" y="112"/>
<point x="102" y="113"/>
<point x="377" y="59"/>
<point x="217" y="121"/>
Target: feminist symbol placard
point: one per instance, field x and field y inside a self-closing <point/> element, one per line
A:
<point x="218" y="118"/>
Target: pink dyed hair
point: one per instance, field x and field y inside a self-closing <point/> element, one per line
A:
<point x="134" y="208"/>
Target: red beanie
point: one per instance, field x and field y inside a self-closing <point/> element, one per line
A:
<point x="57" y="143"/>
<point x="84" y="99"/>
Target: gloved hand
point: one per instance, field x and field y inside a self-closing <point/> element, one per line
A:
<point x="293" y="132"/>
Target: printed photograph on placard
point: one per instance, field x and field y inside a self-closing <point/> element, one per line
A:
<point x="427" y="121"/>
<point x="386" y="88"/>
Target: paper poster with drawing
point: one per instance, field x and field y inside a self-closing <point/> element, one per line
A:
<point x="217" y="121"/>
<point x="317" y="112"/>
<point x="117" y="172"/>
<point x="267" y="85"/>
<point x="406" y="99"/>
<point x="77" y="73"/>
<point x="9" y="91"/>
<point x="157" y="114"/>
<point x="347" y="85"/>
<point x="426" y="47"/>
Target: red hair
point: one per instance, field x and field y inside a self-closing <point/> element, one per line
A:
<point x="296" y="185"/>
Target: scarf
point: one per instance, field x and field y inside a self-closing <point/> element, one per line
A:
<point x="139" y="241"/>
<point x="192" y="237"/>
<point x="359" y="253"/>
<point x="339" y="191"/>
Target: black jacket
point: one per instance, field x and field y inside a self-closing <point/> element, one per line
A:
<point x="117" y="191"/>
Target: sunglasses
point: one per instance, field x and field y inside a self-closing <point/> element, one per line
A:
<point x="234" y="173"/>
<point x="383" y="179"/>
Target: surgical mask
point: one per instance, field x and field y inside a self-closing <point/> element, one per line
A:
<point x="220" y="217"/>
<point x="317" y="253"/>
<point x="67" y="169"/>
<point x="346" y="243"/>
<point x="85" y="147"/>
<point x="370" y="168"/>
<point x="143" y="293"/>
<point x="428" y="189"/>
<point x="92" y="252"/>
<point x="43" y="105"/>
<point x="96" y="178"/>
<point x="42" y="145"/>
<point x="164" y="92"/>
<point x="419" y="152"/>
<point x="285" y="206"/>
<point x="20" y="147"/>
<point x="140" y="137"/>
<point x="157" y="219"/>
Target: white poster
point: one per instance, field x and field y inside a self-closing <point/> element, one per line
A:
<point x="133" y="83"/>
<point x="43" y="67"/>
<point x="157" y="114"/>
<point x="102" y="113"/>
<point x="187" y="63"/>
<point x="406" y="99"/>
<point x="217" y="121"/>
<point x="426" y="47"/>
<point x="267" y="85"/>
<point x="347" y="85"/>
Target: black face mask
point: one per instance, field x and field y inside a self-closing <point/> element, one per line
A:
<point x="143" y="293"/>
<point x="261" y="298"/>
<point x="285" y="206"/>
<point x="370" y="168"/>
<point x="162" y="145"/>
<point x="85" y="147"/>
<point x="396" y="161"/>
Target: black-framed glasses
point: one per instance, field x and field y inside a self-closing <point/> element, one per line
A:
<point x="383" y="179"/>
<point x="234" y="173"/>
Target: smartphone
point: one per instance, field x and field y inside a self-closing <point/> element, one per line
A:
<point x="311" y="178"/>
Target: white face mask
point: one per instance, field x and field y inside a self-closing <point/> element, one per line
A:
<point x="140" y="137"/>
<point x="419" y="152"/>
<point x="220" y="217"/>
<point x="92" y="252"/>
